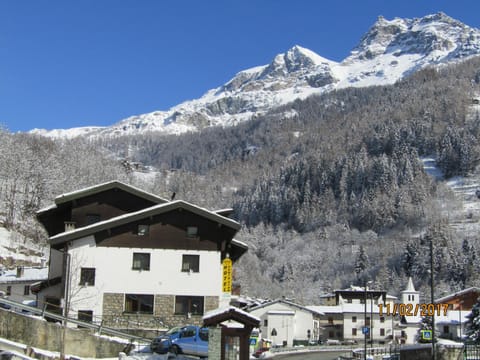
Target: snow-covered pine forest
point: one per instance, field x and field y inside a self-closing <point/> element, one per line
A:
<point x="330" y="190"/>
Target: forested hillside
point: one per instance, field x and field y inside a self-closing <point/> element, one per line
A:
<point x="331" y="194"/>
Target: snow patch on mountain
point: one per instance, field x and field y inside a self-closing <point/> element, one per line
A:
<point x="389" y="51"/>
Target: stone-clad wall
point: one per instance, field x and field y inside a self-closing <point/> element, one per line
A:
<point x="164" y="313"/>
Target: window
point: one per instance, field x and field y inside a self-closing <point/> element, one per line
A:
<point x="189" y="305"/>
<point x="135" y="303"/>
<point x="9" y="290"/>
<point x="367" y="321"/>
<point x="354" y="331"/>
<point x="26" y="290"/>
<point x="85" y="315"/>
<point x="192" y="231"/>
<point x="92" y="218"/>
<point x="265" y="322"/>
<point x="188" y="331"/>
<point x="141" y="261"/>
<point x="354" y="319"/>
<point x="382" y="319"/>
<point x="382" y="332"/>
<point x="203" y="334"/>
<point x="191" y="263"/>
<point x="331" y="334"/>
<point x="87" y="276"/>
<point x="143" y="230"/>
<point x="330" y="320"/>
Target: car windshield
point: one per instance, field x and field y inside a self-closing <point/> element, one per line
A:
<point x="173" y="331"/>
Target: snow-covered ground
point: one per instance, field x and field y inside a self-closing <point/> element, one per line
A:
<point x="464" y="215"/>
<point x="12" y="246"/>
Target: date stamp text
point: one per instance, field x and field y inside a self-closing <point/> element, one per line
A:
<point x="412" y="309"/>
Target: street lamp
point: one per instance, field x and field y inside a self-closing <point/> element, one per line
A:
<point x="432" y="296"/>
<point x="365" y="328"/>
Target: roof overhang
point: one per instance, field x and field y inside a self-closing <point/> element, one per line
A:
<point x="142" y="214"/>
<point x="92" y="190"/>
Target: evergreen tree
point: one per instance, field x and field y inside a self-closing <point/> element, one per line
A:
<point x="362" y="262"/>
<point x="473" y="323"/>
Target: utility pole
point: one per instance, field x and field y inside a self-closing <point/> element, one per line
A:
<point x="365" y="323"/>
<point x="66" y="301"/>
<point x="432" y="296"/>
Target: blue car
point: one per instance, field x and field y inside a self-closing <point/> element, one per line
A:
<point x="192" y="340"/>
<point x="162" y="343"/>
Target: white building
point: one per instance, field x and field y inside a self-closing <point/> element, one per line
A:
<point x="449" y="319"/>
<point x="15" y="283"/>
<point x="286" y="323"/>
<point x="350" y="313"/>
<point x="129" y="258"/>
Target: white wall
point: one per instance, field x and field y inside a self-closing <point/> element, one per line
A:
<point x="114" y="274"/>
<point x="290" y="322"/>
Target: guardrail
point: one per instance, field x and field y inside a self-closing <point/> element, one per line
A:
<point x="102" y="330"/>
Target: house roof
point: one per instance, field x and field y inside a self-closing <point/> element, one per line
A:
<point x="458" y="293"/>
<point x="115" y="184"/>
<point x="410" y="288"/>
<point x="142" y="214"/>
<point x="230" y="313"/>
<point x="28" y="274"/>
<point x="289" y="303"/>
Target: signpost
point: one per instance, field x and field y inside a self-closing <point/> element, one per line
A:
<point x="427" y="335"/>
<point x="227" y="275"/>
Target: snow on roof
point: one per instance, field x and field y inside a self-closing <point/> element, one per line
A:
<point x="410" y="287"/>
<point x="458" y="293"/>
<point x="286" y="302"/>
<point x="222" y="310"/>
<point x="29" y="274"/>
<point x="240" y="243"/>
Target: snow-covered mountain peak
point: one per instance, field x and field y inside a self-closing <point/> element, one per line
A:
<point x="390" y="50"/>
<point x="436" y="37"/>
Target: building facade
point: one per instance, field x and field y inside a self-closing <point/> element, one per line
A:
<point x="287" y="323"/>
<point x="130" y="259"/>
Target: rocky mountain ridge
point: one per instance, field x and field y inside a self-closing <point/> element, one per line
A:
<point x="389" y="51"/>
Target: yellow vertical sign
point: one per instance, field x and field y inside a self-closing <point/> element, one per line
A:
<point x="227" y="275"/>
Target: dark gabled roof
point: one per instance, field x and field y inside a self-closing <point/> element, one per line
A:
<point x="218" y="316"/>
<point x="67" y="197"/>
<point x="142" y="214"/>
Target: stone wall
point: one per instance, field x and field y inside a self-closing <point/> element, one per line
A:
<point x="211" y="303"/>
<point x="422" y="352"/>
<point x="48" y="336"/>
<point x="164" y="316"/>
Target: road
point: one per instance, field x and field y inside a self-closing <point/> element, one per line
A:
<point x="317" y="355"/>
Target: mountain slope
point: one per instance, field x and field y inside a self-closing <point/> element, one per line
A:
<point x="389" y="51"/>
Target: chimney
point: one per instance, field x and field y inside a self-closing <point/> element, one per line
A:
<point x="20" y="271"/>
<point x="69" y="226"/>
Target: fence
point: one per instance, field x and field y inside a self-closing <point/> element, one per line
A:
<point x="99" y="328"/>
<point x="471" y="351"/>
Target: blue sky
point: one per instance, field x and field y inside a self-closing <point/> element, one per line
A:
<point x="69" y="63"/>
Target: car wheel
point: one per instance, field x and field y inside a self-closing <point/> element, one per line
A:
<point x="174" y="349"/>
